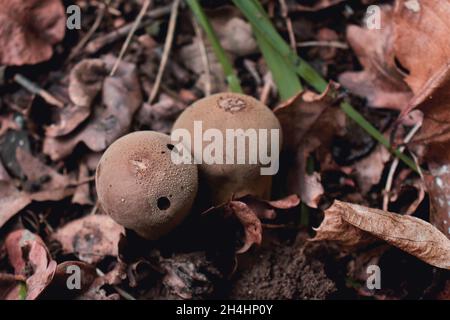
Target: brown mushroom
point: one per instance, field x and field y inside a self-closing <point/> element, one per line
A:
<point x="231" y="111"/>
<point x="141" y="188"/>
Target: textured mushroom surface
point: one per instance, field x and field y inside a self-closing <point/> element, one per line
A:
<point x="231" y="111"/>
<point x="141" y="188"/>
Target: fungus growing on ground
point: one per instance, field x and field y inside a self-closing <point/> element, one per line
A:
<point x="141" y="188"/>
<point x="236" y="127"/>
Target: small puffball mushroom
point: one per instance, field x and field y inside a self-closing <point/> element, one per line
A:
<point x="140" y="187"/>
<point x="231" y="111"/>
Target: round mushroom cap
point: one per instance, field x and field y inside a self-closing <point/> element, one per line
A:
<point x="141" y="188"/>
<point x="232" y="111"/>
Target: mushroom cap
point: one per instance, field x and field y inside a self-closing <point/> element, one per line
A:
<point x="141" y="188"/>
<point x="224" y="111"/>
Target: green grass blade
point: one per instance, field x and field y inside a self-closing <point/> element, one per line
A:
<point x="285" y="78"/>
<point x="258" y="18"/>
<point x="232" y="79"/>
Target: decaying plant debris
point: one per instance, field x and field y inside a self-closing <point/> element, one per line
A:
<point x="340" y="202"/>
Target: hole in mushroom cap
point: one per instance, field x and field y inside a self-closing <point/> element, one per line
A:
<point x="170" y="147"/>
<point x="163" y="203"/>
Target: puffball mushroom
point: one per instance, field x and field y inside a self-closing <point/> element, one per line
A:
<point x="233" y="111"/>
<point x="141" y="188"/>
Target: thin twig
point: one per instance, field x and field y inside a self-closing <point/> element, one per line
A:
<point x="333" y="44"/>
<point x="98" y="20"/>
<point x="204" y="56"/>
<point x="268" y="85"/>
<point x="285" y="14"/>
<point x="251" y="68"/>
<point x="127" y="42"/>
<point x="394" y="165"/>
<point x="35" y="89"/>
<point x="104" y="40"/>
<point x="166" y="51"/>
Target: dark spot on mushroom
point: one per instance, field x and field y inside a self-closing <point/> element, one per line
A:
<point x="170" y="147"/>
<point x="163" y="203"/>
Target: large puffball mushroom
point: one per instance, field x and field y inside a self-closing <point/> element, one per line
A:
<point x="141" y="188"/>
<point x="234" y="111"/>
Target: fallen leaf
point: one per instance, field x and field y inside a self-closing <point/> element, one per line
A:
<point x="90" y="238"/>
<point x="369" y="170"/>
<point x="380" y="81"/>
<point x="160" y="115"/>
<point x="11" y="201"/>
<point x="250" y="222"/>
<point x="308" y="122"/>
<point x="29" y="29"/>
<point x="86" y="81"/>
<point x="10" y="286"/>
<point x="355" y="224"/>
<point x="29" y="257"/>
<point x="122" y="97"/>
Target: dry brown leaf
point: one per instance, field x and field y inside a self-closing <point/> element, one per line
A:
<point x="29" y="29"/>
<point x="160" y="115"/>
<point x="309" y="122"/>
<point x="11" y="201"/>
<point x="250" y="222"/>
<point x="369" y="170"/>
<point x="86" y="80"/>
<point x="91" y="238"/>
<point x="352" y="223"/>
<point x="121" y="96"/>
<point x="27" y="252"/>
<point x="380" y="81"/>
<point x="68" y="119"/>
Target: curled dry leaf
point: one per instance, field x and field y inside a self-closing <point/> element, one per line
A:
<point x="91" y="238"/>
<point x="29" y="257"/>
<point x="369" y="170"/>
<point x="86" y="80"/>
<point x="250" y="210"/>
<point x="250" y="222"/>
<point x="29" y="29"/>
<point x="121" y="96"/>
<point x="309" y="122"/>
<point x="354" y="223"/>
<point x="380" y="82"/>
<point x="68" y="119"/>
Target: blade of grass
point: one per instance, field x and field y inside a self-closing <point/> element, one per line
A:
<point x="285" y="78"/>
<point x="232" y="79"/>
<point x="255" y="13"/>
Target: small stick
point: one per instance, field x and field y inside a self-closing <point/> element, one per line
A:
<point x="166" y="51"/>
<point x="268" y="85"/>
<point x="285" y="14"/>
<point x="90" y="33"/>
<point x="394" y="165"/>
<point x="204" y="56"/>
<point x="334" y="44"/>
<point x="127" y="42"/>
<point x="115" y="35"/>
<point x="35" y="89"/>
